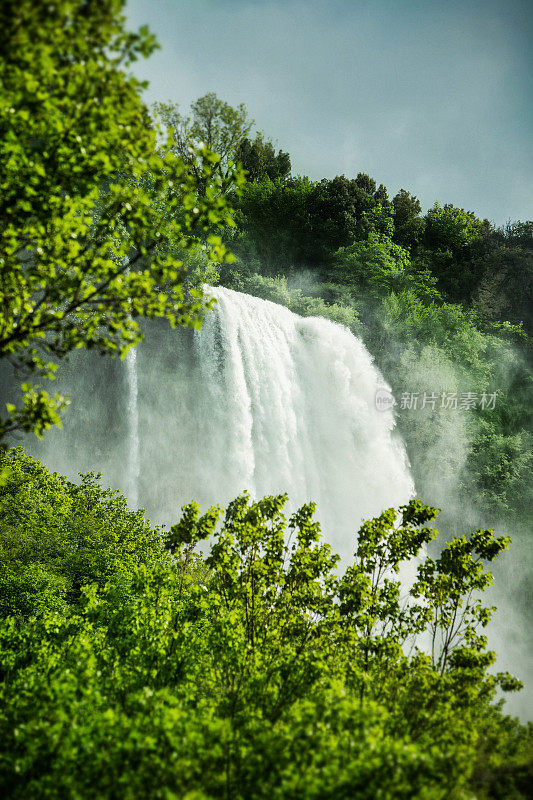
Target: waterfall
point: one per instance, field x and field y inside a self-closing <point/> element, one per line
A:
<point x="133" y="430"/>
<point x="258" y="399"/>
<point x="282" y="403"/>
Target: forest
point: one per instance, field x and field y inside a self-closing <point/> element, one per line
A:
<point x="232" y="653"/>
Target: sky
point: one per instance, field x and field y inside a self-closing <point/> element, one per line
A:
<point x="432" y="96"/>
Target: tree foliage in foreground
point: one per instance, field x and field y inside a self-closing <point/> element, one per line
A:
<point x="86" y="196"/>
<point x="133" y="667"/>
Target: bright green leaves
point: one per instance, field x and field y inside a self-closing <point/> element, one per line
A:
<point x="451" y="228"/>
<point x="56" y="537"/>
<point x="416" y="513"/>
<point x="92" y="209"/>
<point x="373" y="266"/>
<point x="448" y="590"/>
<point x="281" y="596"/>
<point x="192" y="528"/>
<point x="268" y="604"/>
<point x="440" y="613"/>
<point x="39" y="411"/>
<point x="254" y="671"/>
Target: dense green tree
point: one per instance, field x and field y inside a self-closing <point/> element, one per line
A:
<point x="297" y="224"/>
<point x="451" y="228"/>
<point x="57" y="537"/>
<point x="260" y="160"/>
<point x="273" y="226"/>
<point x="212" y="123"/>
<point x="504" y="762"/>
<point x="343" y="211"/>
<point x="452" y="237"/>
<point x="504" y="264"/>
<point x="409" y="225"/>
<point x="86" y="197"/>
<point x="501" y="464"/>
<point x="372" y="267"/>
<point x="132" y="667"/>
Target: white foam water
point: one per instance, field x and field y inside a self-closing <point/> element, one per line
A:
<point x="134" y="464"/>
<point x="288" y="404"/>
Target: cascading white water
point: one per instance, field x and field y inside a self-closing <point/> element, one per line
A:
<point x="134" y="465"/>
<point x="282" y="403"/>
<point x="258" y="399"/>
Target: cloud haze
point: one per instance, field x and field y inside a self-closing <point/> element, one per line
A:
<point x="430" y="96"/>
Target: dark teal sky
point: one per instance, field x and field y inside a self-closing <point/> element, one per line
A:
<point x="434" y="97"/>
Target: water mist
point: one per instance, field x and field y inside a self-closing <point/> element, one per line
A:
<point x="259" y="399"/>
